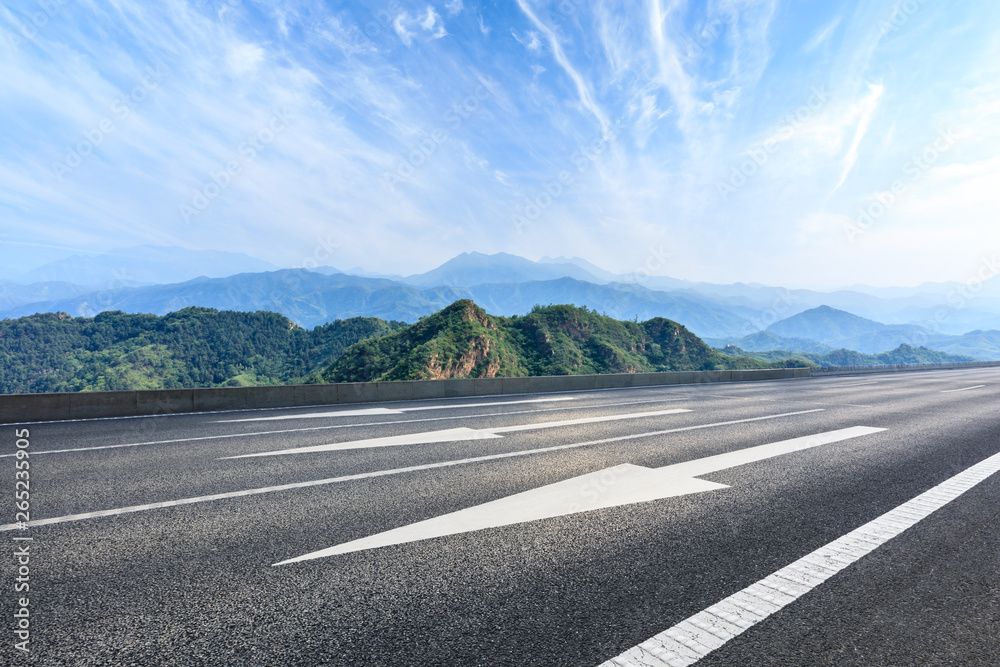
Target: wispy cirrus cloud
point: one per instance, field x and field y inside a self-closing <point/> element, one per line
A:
<point x="474" y="107"/>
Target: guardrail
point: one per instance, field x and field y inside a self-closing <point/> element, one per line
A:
<point x="23" y="408"/>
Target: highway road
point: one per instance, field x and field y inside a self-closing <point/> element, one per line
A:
<point x="850" y="520"/>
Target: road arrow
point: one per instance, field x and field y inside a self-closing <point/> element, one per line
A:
<point x="455" y="434"/>
<point x="612" y="487"/>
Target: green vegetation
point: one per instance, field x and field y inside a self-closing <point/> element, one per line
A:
<point x="194" y="347"/>
<point x="904" y="354"/>
<point x="463" y="341"/>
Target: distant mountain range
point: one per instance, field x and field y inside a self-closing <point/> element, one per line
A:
<point x="310" y="298"/>
<point x="823" y="330"/>
<point x="752" y="317"/>
<point x="143" y="265"/>
<point x="904" y="354"/>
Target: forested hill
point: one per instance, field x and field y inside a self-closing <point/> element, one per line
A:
<point x="194" y="347"/>
<point x="463" y="341"/>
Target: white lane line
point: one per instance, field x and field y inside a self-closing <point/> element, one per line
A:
<point x="621" y="485"/>
<point x="449" y="435"/>
<point x="395" y="411"/>
<point x="692" y="639"/>
<point x="363" y="412"/>
<point x="478" y="405"/>
<point x="844" y="386"/>
<point x="381" y="473"/>
<point x="948" y="391"/>
<point x="335" y="426"/>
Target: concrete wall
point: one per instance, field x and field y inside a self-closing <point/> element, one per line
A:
<point x="21" y="408"/>
<point x="899" y="368"/>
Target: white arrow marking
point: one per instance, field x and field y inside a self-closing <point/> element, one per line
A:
<point x="621" y="485"/>
<point x="452" y="435"/>
<point x="396" y="471"/>
<point x="364" y="412"/>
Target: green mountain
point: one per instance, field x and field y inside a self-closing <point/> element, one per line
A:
<point x="980" y="344"/>
<point x="904" y="354"/>
<point x="463" y="341"/>
<point x="194" y="347"/>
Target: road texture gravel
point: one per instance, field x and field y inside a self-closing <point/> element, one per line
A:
<point x="196" y="584"/>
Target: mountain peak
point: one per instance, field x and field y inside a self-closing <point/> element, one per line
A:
<point x="825" y="324"/>
<point x="476" y="268"/>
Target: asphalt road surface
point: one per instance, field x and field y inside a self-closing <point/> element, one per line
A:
<point x="852" y="520"/>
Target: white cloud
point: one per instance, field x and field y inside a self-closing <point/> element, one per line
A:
<point x="453" y="7"/>
<point x="822" y="35"/>
<point x="430" y="19"/>
<point x="244" y="58"/>
<point x="483" y="28"/>
<point x="399" y="24"/>
<point x="865" y="110"/>
<point x="582" y="89"/>
<point x="282" y="20"/>
<point x="529" y="41"/>
<point x="431" y="23"/>
<point x="671" y="71"/>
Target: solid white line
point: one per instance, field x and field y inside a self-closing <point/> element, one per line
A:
<point x="624" y="484"/>
<point x="978" y="386"/>
<point x="381" y="473"/>
<point x="334" y="426"/>
<point x="692" y="639"/>
<point x="844" y="386"/>
<point x="448" y="435"/>
<point x="394" y="411"/>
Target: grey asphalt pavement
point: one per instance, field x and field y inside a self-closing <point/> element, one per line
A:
<point x="196" y="582"/>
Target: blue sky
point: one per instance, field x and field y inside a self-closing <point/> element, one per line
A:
<point x="796" y="143"/>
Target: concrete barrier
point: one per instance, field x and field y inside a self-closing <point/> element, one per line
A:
<point x="899" y="368"/>
<point x="22" y="408"/>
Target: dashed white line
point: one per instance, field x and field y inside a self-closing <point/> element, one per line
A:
<point x="451" y="435"/>
<point x="845" y="386"/>
<point x="380" y="473"/>
<point x="949" y="391"/>
<point x="692" y="639"/>
<point x="362" y="412"/>
<point x="336" y="426"/>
